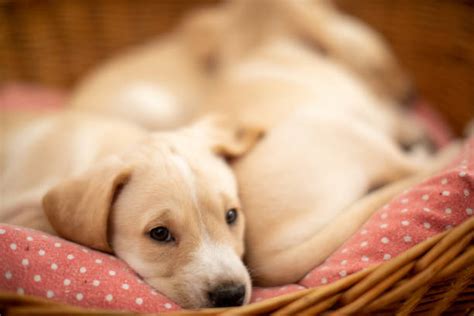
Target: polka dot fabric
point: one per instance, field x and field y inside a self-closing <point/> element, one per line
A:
<point x="38" y="264"/>
<point x="437" y="204"/>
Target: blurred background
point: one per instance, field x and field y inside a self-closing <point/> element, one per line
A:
<point x="54" y="42"/>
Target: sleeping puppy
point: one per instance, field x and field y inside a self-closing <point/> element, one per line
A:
<point x="161" y="84"/>
<point x="166" y="203"/>
<point x="328" y="142"/>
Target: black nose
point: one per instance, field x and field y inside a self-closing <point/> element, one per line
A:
<point x="226" y="295"/>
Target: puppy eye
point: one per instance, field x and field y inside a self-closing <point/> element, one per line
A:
<point x="161" y="234"/>
<point x="231" y="216"/>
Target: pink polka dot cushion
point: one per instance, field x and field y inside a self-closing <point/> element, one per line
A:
<point x="42" y="265"/>
<point x="437" y="204"/>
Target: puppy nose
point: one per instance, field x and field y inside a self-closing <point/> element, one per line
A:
<point x="226" y="295"/>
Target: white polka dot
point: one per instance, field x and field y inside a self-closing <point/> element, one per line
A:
<point x="109" y="297"/>
<point x="384" y="225"/>
<point x="57" y="244"/>
<point x="168" y="305"/>
<point x="469" y="211"/>
<point x="343" y="273"/>
<point x="29" y="238"/>
<point x="54" y="266"/>
<point x="385" y="240"/>
<point x="363" y="232"/>
<point x="8" y="275"/>
<point x="387" y="256"/>
<point x="425" y="209"/>
<point x="98" y="261"/>
<point x="404" y="210"/>
<point x="344" y="250"/>
<point x="364" y="258"/>
<point x="2" y="231"/>
<point x="20" y="291"/>
<point x="344" y="262"/>
<point x="84" y="250"/>
<point x="462" y="173"/>
<point x="153" y="292"/>
<point x="67" y="282"/>
<point x="41" y="252"/>
<point x="70" y="257"/>
<point x="112" y="273"/>
<point x="444" y="181"/>
<point x="364" y="244"/>
<point x="425" y="197"/>
<point x="448" y="227"/>
<point x="140" y="281"/>
<point x="96" y="283"/>
<point x="139" y="301"/>
<point x="407" y="238"/>
<point x="324" y="280"/>
<point x="79" y="296"/>
<point x="125" y="286"/>
<point x="37" y="278"/>
<point x="448" y="210"/>
<point x="466" y="192"/>
<point x="13" y="246"/>
<point x="404" y="201"/>
<point x="82" y="270"/>
<point x="446" y="193"/>
<point x="405" y="223"/>
<point x="427" y="225"/>
<point x="49" y="294"/>
<point x="25" y="262"/>
<point x="384" y="215"/>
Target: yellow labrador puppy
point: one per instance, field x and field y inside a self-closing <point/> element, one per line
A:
<point x="329" y="141"/>
<point x="166" y="203"/>
<point x="161" y="84"/>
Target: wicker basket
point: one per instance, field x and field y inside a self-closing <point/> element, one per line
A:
<point x="55" y="42"/>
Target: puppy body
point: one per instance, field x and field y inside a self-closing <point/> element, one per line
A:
<point x="107" y="184"/>
<point x="328" y="142"/>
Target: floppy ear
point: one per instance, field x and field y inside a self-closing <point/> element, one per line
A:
<point x="227" y="138"/>
<point x="78" y="208"/>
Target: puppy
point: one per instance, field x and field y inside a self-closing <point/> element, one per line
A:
<point x="328" y="142"/>
<point x="162" y="84"/>
<point x="166" y="203"/>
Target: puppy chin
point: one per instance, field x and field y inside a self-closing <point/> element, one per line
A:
<point x="185" y="295"/>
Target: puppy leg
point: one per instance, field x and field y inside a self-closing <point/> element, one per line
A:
<point x="282" y="268"/>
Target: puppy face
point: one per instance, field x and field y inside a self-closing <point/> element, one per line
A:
<point x="173" y="215"/>
<point x="178" y="223"/>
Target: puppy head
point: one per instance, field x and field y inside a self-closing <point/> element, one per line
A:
<point x="355" y="45"/>
<point x="238" y="27"/>
<point x="168" y="207"/>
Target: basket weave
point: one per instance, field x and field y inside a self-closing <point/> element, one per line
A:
<point x="55" y="42"/>
<point x="434" y="277"/>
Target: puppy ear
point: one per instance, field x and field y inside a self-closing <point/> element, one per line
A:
<point x="78" y="208"/>
<point x="227" y="138"/>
